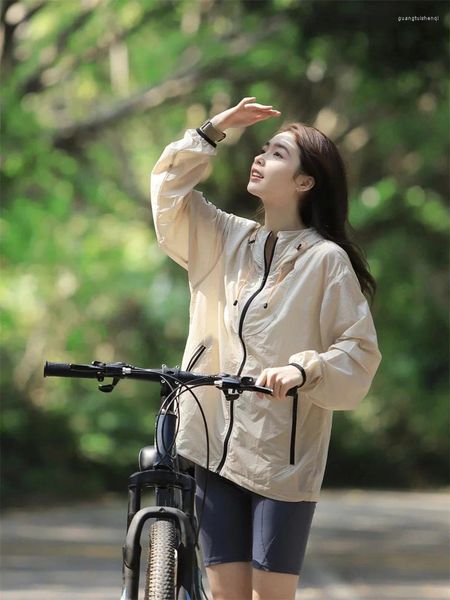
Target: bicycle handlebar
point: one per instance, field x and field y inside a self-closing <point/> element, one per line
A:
<point x="229" y="384"/>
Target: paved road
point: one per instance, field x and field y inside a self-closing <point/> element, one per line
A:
<point x="363" y="546"/>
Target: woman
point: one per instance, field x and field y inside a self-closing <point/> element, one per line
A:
<point x="282" y="302"/>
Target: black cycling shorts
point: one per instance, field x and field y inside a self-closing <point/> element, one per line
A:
<point x="239" y="525"/>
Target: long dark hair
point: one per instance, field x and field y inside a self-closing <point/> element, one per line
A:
<point x="325" y="206"/>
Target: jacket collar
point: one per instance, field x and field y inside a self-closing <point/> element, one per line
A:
<point x="290" y="244"/>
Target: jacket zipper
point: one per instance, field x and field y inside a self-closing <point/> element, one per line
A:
<point x="241" y="326"/>
<point x="195" y="356"/>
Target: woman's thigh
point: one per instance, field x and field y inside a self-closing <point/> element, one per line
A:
<point x="239" y="528"/>
<point x="280" y="534"/>
<point x="225" y="519"/>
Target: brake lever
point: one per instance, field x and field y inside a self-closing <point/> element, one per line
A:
<point x="233" y="387"/>
<point x="117" y="366"/>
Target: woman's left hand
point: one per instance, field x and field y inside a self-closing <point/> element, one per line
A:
<point x="280" y="379"/>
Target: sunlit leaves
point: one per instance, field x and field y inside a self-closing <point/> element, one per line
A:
<point x="82" y="276"/>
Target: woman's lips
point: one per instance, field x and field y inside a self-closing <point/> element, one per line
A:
<point x="255" y="175"/>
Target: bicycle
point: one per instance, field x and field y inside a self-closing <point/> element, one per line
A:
<point x="172" y="567"/>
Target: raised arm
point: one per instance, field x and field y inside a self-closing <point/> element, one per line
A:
<point x="181" y="213"/>
<point x="184" y="220"/>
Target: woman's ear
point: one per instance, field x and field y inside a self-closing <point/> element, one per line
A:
<point x="304" y="183"/>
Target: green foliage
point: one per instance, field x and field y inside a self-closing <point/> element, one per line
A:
<point x="91" y="95"/>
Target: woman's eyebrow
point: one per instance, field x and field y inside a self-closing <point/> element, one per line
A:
<point x="278" y="145"/>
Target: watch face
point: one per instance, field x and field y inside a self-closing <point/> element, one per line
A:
<point x="213" y="133"/>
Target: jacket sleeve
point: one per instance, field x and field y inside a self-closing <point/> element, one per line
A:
<point x="188" y="227"/>
<point x="340" y="378"/>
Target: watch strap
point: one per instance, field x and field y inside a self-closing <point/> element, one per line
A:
<point x="205" y="137"/>
<point x="211" y="133"/>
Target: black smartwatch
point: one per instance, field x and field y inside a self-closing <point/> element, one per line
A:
<point x="210" y="133"/>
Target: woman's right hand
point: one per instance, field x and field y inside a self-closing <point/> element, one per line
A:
<point x="244" y="114"/>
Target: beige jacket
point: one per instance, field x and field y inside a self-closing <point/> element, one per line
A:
<point x="306" y="307"/>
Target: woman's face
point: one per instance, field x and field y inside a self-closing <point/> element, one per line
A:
<point x="273" y="170"/>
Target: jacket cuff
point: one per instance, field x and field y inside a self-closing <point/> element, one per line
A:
<point x="310" y="362"/>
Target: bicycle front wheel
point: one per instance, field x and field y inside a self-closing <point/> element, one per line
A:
<point x="160" y="581"/>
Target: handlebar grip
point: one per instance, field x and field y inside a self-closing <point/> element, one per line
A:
<point x="291" y="392"/>
<point x="57" y="369"/>
<point x="69" y="370"/>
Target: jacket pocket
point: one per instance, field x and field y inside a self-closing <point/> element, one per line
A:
<point x="195" y="356"/>
<point x="293" y="429"/>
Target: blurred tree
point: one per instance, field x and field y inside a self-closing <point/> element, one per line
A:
<point x="92" y="92"/>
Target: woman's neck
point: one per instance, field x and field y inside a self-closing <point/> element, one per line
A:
<point x="278" y="220"/>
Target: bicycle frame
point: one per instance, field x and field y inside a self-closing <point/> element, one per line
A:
<point x="164" y="475"/>
<point x="175" y="490"/>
